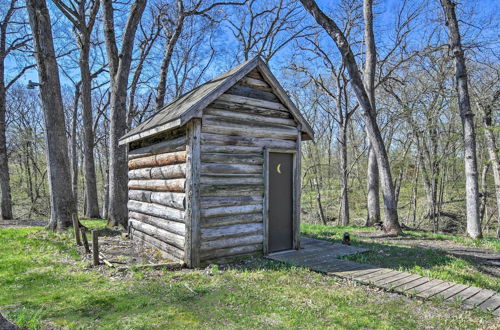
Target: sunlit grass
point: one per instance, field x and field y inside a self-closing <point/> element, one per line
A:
<point x="430" y="262"/>
<point x="46" y="284"/>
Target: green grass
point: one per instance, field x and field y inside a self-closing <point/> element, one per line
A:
<point x="434" y="263"/>
<point x="44" y="283"/>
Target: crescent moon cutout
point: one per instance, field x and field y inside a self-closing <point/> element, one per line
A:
<point x="278" y="168"/>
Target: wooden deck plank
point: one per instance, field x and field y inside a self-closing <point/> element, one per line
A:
<point x="410" y="285"/>
<point x="365" y="278"/>
<point x="435" y="290"/>
<point x="496" y="312"/>
<point x="350" y="273"/>
<point x="328" y="262"/>
<point x="491" y="303"/>
<point x="374" y="279"/>
<point x="323" y="256"/>
<point x="426" y="286"/>
<point x="465" y="294"/>
<point x="402" y="281"/>
<point x="305" y="255"/>
<point x="344" y="268"/>
<point x="386" y="282"/>
<point x="453" y="290"/>
<point x="479" y="297"/>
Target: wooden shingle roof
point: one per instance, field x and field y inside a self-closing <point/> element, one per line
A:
<point x="190" y="105"/>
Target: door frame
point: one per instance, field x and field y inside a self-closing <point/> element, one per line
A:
<point x="295" y="199"/>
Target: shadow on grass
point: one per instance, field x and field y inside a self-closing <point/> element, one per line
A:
<point x="425" y="261"/>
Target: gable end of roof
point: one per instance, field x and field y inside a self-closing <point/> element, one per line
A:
<point x="191" y="105"/>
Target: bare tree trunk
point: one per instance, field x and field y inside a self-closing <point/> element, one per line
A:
<point x="119" y="72"/>
<point x="373" y="189"/>
<point x="345" y="175"/>
<point x="169" y="50"/>
<point x="6" y="202"/>
<point x="74" y="156"/>
<point x="92" y="203"/>
<point x="467" y="116"/>
<point x="489" y="135"/>
<point x="415" y="195"/>
<point x="83" y="34"/>
<point x="484" y="192"/>
<point x="391" y="223"/>
<point x="372" y="176"/>
<point x="62" y="201"/>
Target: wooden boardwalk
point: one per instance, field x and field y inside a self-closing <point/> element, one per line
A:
<point x="322" y="256"/>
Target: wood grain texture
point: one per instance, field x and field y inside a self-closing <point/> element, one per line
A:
<point x="231" y="242"/>
<point x="156" y="210"/>
<point x="173" y="185"/>
<point x="158" y="233"/>
<point x="234" y="179"/>
<point x="246" y="141"/>
<point x="209" y="234"/>
<point x="174" y="227"/>
<point x="249" y="109"/>
<point x="212" y="168"/>
<point x="167" y="146"/>
<point x="192" y="246"/>
<point x="224" y="158"/>
<point x="255" y="83"/>
<point x="250" y="117"/>
<point x="255" y="93"/>
<point x="231" y="220"/>
<point x="216" y="255"/>
<point x="220" y="125"/>
<point x="253" y="102"/>
<point x="221" y="190"/>
<point x="158" y="160"/>
<point x="210" y="202"/>
<point x="297" y="193"/>
<point x="172" y="199"/>
<point x="231" y="210"/>
<point x="164" y="172"/>
<point x="144" y="239"/>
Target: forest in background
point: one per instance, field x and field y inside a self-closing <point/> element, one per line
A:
<point x="180" y="44"/>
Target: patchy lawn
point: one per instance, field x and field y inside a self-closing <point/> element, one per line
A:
<point x="440" y="256"/>
<point x="45" y="283"/>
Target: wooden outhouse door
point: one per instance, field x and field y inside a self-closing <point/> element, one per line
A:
<point x="280" y="201"/>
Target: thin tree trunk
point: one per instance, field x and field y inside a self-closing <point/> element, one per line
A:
<point x="74" y="155"/>
<point x="373" y="189"/>
<point x="62" y="201"/>
<point x="484" y="192"/>
<point x="345" y="176"/>
<point x="372" y="177"/>
<point x="6" y="202"/>
<point x="119" y="73"/>
<point x="92" y="203"/>
<point x="391" y="223"/>
<point x="491" y="146"/>
<point x="415" y="195"/>
<point x="169" y="50"/>
<point x="467" y="116"/>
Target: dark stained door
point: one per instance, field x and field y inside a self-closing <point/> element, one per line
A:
<point x="280" y="205"/>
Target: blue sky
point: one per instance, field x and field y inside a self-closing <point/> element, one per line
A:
<point x="385" y="14"/>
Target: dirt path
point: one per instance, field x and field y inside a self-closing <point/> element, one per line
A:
<point x="487" y="260"/>
<point x="22" y="223"/>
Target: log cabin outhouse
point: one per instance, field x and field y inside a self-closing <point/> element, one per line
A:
<point x="215" y="174"/>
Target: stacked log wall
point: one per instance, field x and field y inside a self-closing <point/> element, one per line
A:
<point x="235" y="130"/>
<point x="157" y="178"/>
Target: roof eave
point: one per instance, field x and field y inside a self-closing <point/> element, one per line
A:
<point x="150" y="132"/>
